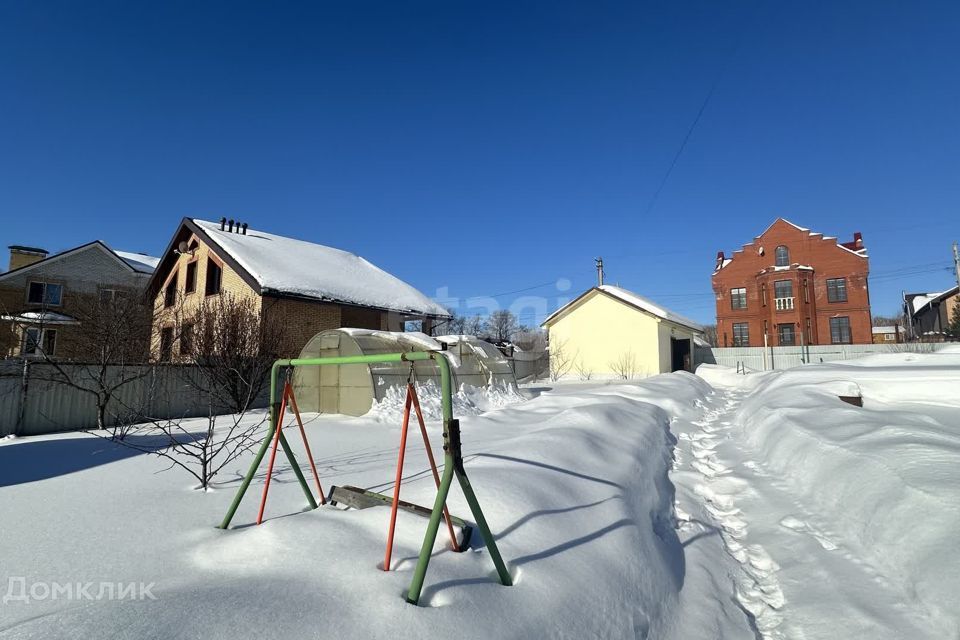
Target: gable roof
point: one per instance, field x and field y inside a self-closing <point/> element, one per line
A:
<point x="632" y="299"/>
<point x="918" y="301"/>
<point x="862" y="252"/>
<point x="276" y="265"/>
<point x="140" y="266"/>
<point x="139" y="261"/>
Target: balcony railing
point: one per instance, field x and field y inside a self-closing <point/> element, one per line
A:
<point x="784" y="304"/>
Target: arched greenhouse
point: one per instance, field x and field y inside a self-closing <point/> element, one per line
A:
<point x="351" y="389"/>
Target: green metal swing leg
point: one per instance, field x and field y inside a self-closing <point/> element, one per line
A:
<point x="452" y="464"/>
<point x="274" y="409"/>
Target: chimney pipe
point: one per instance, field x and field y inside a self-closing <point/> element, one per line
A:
<point x="223" y="223"/>
<point x="244" y="228"/>
<point x="858" y="239"/>
<point x="230" y="225"/>
<point x="599" y="262"/>
<point x="720" y="259"/>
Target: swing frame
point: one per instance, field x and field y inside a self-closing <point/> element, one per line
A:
<point x="453" y="459"/>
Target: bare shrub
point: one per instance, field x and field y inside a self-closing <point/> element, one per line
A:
<point x="561" y="360"/>
<point x="625" y="366"/>
<point x="583" y="372"/>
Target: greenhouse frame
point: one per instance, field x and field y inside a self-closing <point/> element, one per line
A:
<point x="352" y="389"/>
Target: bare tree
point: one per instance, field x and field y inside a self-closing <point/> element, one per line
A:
<point x="501" y="326"/>
<point x="473" y="326"/>
<point x="455" y="325"/>
<point x="110" y="338"/>
<point x="234" y="347"/>
<point x="625" y="366"/>
<point x="202" y="453"/>
<point x="533" y="340"/>
<point x="710" y="334"/>
<point x="561" y="359"/>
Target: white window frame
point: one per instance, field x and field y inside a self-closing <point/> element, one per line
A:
<point x="39" y="351"/>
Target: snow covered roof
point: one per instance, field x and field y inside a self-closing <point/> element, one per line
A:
<point x="41" y="317"/>
<point x="920" y="300"/>
<point x="295" y="267"/>
<point x="635" y="300"/>
<point x="888" y="329"/>
<point x="139" y="261"/>
<point x="723" y="263"/>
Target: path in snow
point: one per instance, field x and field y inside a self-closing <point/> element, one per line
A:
<point x="726" y="496"/>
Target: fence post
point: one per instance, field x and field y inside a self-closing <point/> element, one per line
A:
<point x="21" y="410"/>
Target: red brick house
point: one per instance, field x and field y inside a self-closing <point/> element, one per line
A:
<point x="794" y="286"/>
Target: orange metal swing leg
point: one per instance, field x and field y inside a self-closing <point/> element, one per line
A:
<point x="396" y="484"/>
<point x="412" y="400"/>
<point x="273" y="457"/>
<point x="306" y="445"/>
<point x="433" y="465"/>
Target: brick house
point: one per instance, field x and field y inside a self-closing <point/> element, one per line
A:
<point x="795" y="287"/>
<point x="47" y="303"/>
<point x="304" y="287"/>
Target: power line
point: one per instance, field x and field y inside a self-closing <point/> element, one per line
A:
<point x="693" y="125"/>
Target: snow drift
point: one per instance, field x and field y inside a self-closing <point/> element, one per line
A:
<point x="885" y="476"/>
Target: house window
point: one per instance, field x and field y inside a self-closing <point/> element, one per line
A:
<point x="806" y="292"/>
<point x="840" y="330"/>
<point x="809" y="331"/>
<point x="741" y="334"/>
<point x="170" y="293"/>
<point x="166" y="344"/>
<point x="782" y="256"/>
<point x="783" y="288"/>
<point x="783" y="292"/>
<point x="109" y="296"/>
<point x="45" y="293"/>
<point x="836" y="289"/>
<point x="738" y="298"/>
<point x="787" y="334"/>
<point x="763" y="293"/>
<point x="38" y="342"/>
<point x="214" y="276"/>
<point x="186" y="339"/>
<point x="191" y="284"/>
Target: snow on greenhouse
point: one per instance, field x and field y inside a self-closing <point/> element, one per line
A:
<point x="353" y="389"/>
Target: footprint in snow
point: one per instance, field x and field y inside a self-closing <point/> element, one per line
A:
<point x="798" y="525"/>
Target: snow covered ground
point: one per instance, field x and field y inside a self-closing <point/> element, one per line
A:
<point x="718" y="506"/>
<point x="844" y="519"/>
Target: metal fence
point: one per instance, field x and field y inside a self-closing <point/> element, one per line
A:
<point x="32" y="404"/>
<point x="528" y="365"/>
<point x="768" y="358"/>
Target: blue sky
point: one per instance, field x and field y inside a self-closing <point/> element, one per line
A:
<point x="491" y="148"/>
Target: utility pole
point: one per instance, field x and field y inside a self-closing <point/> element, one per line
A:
<point x="956" y="261"/>
<point x="599" y="262"/>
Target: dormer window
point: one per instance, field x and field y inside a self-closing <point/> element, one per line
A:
<point x="782" y="256"/>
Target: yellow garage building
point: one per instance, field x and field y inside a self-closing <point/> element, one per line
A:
<point x="610" y="332"/>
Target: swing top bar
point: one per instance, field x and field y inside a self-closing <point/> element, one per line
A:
<point x="446" y="379"/>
